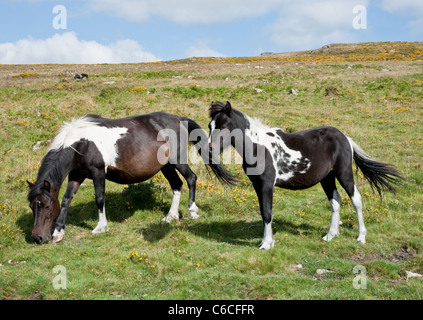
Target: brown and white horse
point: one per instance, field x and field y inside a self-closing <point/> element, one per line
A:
<point x="125" y="151"/>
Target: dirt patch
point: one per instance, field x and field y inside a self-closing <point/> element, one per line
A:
<point x="35" y="296"/>
<point x="332" y="91"/>
<point x="405" y="253"/>
<point x="362" y="259"/>
<point x="81" y="235"/>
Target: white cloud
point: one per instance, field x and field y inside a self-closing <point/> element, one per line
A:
<point x="310" y="24"/>
<point x="412" y="8"/>
<point x="302" y="24"/>
<point x="200" y="49"/>
<point x="403" y="6"/>
<point x="67" y="48"/>
<point x="187" y="11"/>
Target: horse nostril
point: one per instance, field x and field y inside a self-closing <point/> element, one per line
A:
<point x="38" y="239"/>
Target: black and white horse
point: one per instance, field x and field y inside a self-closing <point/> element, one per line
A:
<point x="295" y="161"/>
<point x="80" y="76"/>
<point x="128" y="150"/>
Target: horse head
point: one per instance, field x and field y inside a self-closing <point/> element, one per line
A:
<point x="45" y="207"/>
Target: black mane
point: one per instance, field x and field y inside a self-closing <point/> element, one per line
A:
<point x="54" y="168"/>
<point x="216" y="107"/>
<point x="236" y="116"/>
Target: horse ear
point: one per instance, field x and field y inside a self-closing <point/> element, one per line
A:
<point x="30" y="184"/>
<point x="47" y="186"/>
<point x="228" y="107"/>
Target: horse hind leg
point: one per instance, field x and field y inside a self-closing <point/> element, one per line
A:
<point x="347" y="182"/>
<point x="176" y="184"/>
<point x="191" y="179"/>
<point x="358" y="205"/>
<point x="334" y="198"/>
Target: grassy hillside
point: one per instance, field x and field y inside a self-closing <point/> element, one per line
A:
<point x="372" y="92"/>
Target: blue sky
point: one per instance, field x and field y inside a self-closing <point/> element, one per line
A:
<point x="114" y="31"/>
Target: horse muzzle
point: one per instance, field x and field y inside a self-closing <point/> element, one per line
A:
<point x="40" y="238"/>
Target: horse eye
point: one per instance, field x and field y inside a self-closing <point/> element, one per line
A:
<point x="47" y="207"/>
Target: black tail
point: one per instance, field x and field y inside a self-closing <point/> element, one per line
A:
<point x="202" y="147"/>
<point x="381" y="176"/>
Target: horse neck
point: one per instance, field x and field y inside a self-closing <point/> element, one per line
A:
<point x="251" y="129"/>
<point x="240" y="122"/>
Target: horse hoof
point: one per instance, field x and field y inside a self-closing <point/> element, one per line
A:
<point x="362" y="241"/>
<point x="193" y="210"/>
<point x="194" y="215"/>
<point x="100" y="229"/>
<point x="267" y="245"/>
<point x="58" y="235"/>
<point x="329" y="237"/>
<point x="169" y="219"/>
<point x="58" y="238"/>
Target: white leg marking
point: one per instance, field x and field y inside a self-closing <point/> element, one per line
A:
<point x="173" y="211"/>
<point x="102" y="225"/>
<point x="268" y="241"/>
<point x="335" y="204"/>
<point x="193" y="210"/>
<point x="362" y="231"/>
<point x="58" y="235"/>
<point x="212" y="127"/>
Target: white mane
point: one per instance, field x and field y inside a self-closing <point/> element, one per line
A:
<point x="256" y="124"/>
<point x="69" y="131"/>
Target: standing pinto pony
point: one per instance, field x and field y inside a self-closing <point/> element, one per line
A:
<point x="295" y="161"/>
<point x="125" y="151"/>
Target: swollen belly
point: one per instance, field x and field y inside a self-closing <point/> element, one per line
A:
<point x="295" y="184"/>
<point x="125" y="177"/>
<point x="303" y="180"/>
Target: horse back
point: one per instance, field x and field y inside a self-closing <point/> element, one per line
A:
<point x="138" y="151"/>
<point x="320" y="148"/>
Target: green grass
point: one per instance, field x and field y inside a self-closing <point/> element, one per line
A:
<point x="217" y="256"/>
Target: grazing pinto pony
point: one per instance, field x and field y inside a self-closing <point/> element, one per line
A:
<point x="128" y="150"/>
<point x="295" y="161"/>
<point x="80" y="76"/>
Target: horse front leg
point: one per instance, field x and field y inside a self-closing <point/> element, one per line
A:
<point x="99" y="179"/>
<point x="74" y="182"/>
<point x="264" y="190"/>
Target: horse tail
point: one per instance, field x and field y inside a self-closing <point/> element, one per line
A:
<point x="381" y="176"/>
<point x="201" y="145"/>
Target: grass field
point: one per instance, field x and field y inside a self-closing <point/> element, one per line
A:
<point x="372" y="92"/>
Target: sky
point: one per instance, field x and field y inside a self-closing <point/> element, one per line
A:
<point x="125" y="31"/>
